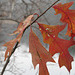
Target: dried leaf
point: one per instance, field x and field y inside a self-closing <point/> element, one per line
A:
<point x="23" y="24"/>
<point x="68" y="16"/>
<point x="11" y="44"/>
<point x="39" y="54"/>
<point x="57" y="45"/>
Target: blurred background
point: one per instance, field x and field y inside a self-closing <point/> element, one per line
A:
<point x="11" y="14"/>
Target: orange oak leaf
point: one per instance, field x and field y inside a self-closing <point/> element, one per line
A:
<point x="51" y="29"/>
<point x="68" y="16"/>
<point x="19" y="36"/>
<point x="39" y="54"/>
<point x="23" y="24"/>
<point x="61" y="46"/>
<point x="11" y="44"/>
<point x="57" y="45"/>
<point x="19" y="29"/>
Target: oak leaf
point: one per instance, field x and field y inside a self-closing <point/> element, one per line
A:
<point x="19" y="30"/>
<point x="53" y="30"/>
<point x="39" y="54"/>
<point x="23" y="24"/>
<point x="68" y="16"/>
<point x="57" y="45"/>
<point x="10" y="45"/>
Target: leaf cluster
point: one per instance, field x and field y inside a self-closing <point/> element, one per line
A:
<point x="50" y="36"/>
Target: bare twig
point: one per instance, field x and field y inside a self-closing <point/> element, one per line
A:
<point x="44" y="12"/>
<point x="40" y="11"/>
<point x="10" y="19"/>
<point x="12" y="7"/>
<point x="7" y="61"/>
<point x="26" y="6"/>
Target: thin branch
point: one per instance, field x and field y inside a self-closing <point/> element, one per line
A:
<point x="40" y="11"/>
<point x="10" y="20"/>
<point x="11" y="7"/>
<point x="7" y="61"/>
<point x="43" y="12"/>
<point x="25" y="5"/>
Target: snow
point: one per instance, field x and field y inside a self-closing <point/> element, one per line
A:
<point x="22" y="59"/>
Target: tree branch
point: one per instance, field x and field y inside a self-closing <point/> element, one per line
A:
<point x="7" y="61"/>
<point x="40" y="11"/>
<point x="25" y="5"/>
<point x="10" y="20"/>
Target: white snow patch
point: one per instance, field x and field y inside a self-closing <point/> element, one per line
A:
<point x="23" y="61"/>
